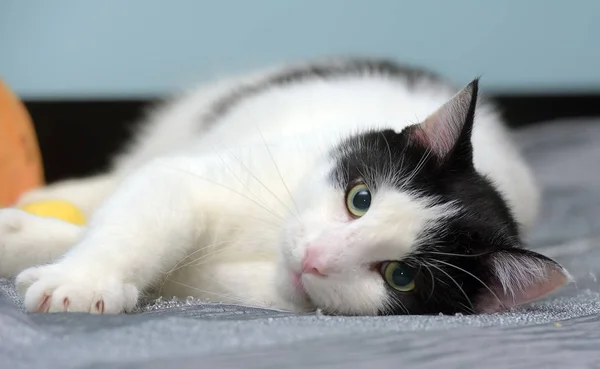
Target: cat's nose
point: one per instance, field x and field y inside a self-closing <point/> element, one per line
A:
<point x="313" y="263"/>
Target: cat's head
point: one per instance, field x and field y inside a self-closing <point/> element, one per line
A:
<point x="402" y="223"/>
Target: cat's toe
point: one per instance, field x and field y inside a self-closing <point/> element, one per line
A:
<point x="54" y="288"/>
<point x="11" y="221"/>
<point x="28" y="277"/>
<point x="20" y="233"/>
<point x="71" y="297"/>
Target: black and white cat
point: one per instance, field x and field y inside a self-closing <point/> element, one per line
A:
<point x="353" y="186"/>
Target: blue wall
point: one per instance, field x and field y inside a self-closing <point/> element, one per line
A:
<point x="121" y="48"/>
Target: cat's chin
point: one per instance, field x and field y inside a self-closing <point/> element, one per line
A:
<point x="293" y="292"/>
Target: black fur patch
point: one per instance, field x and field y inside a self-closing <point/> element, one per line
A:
<point x="342" y="68"/>
<point x="451" y="268"/>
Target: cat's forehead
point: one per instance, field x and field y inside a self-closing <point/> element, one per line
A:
<point x="380" y="156"/>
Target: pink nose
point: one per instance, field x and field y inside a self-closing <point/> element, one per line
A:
<point x="312" y="263"/>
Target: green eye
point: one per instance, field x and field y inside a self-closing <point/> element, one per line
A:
<point x="398" y="276"/>
<point x="358" y="200"/>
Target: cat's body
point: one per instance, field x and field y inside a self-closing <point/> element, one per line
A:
<point x="238" y="192"/>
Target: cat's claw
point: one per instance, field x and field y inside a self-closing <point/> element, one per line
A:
<point x="57" y="288"/>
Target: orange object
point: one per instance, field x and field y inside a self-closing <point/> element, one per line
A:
<point x="20" y="160"/>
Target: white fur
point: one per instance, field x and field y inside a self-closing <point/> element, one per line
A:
<point x="227" y="212"/>
<point x="27" y="240"/>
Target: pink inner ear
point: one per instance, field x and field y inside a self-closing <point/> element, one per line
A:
<point x="442" y="129"/>
<point x="439" y="132"/>
<point x="488" y="303"/>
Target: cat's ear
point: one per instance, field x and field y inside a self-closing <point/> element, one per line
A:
<point x="516" y="277"/>
<point x="447" y="132"/>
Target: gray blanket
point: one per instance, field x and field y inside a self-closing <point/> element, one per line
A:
<point x="560" y="330"/>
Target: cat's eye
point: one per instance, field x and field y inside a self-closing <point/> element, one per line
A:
<point x="358" y="200"/>
<point x="398" y="276"/>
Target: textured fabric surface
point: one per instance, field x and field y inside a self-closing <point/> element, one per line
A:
<point x="560" y="330"/>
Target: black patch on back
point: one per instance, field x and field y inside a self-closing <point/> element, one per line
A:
<point x="449" y="282"/>
<point x="337" y="69"/>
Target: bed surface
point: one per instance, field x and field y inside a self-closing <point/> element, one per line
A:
<point x="560" y="330"/>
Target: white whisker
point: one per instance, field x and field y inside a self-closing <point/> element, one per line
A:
<point x="278" y="171"/>
<point x="232" y="172"/>
<point x="475" y="277"/>
<point x="244" y="297"/>
<point x="419" y="166"/>
<point x="277" y="198"/>
<point x="432" y="280"/>
<point x="456" y="283"/>
<point x="393" y="303"/>
<point x="229" y="189"/>
<point x="449" y="254"/>
<point x="221" y="295"/>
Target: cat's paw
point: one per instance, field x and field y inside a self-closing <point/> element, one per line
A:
<point x="27" y="240"/>
<point x="13" y="223"/>
<point x="63" y="288"/>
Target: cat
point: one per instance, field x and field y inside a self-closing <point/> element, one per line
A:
<point x="353" y="186"/>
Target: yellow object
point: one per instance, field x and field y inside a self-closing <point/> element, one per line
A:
<point x="62" y="210"/>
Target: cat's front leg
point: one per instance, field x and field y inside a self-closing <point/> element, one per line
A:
<point x="141" y="232"/>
